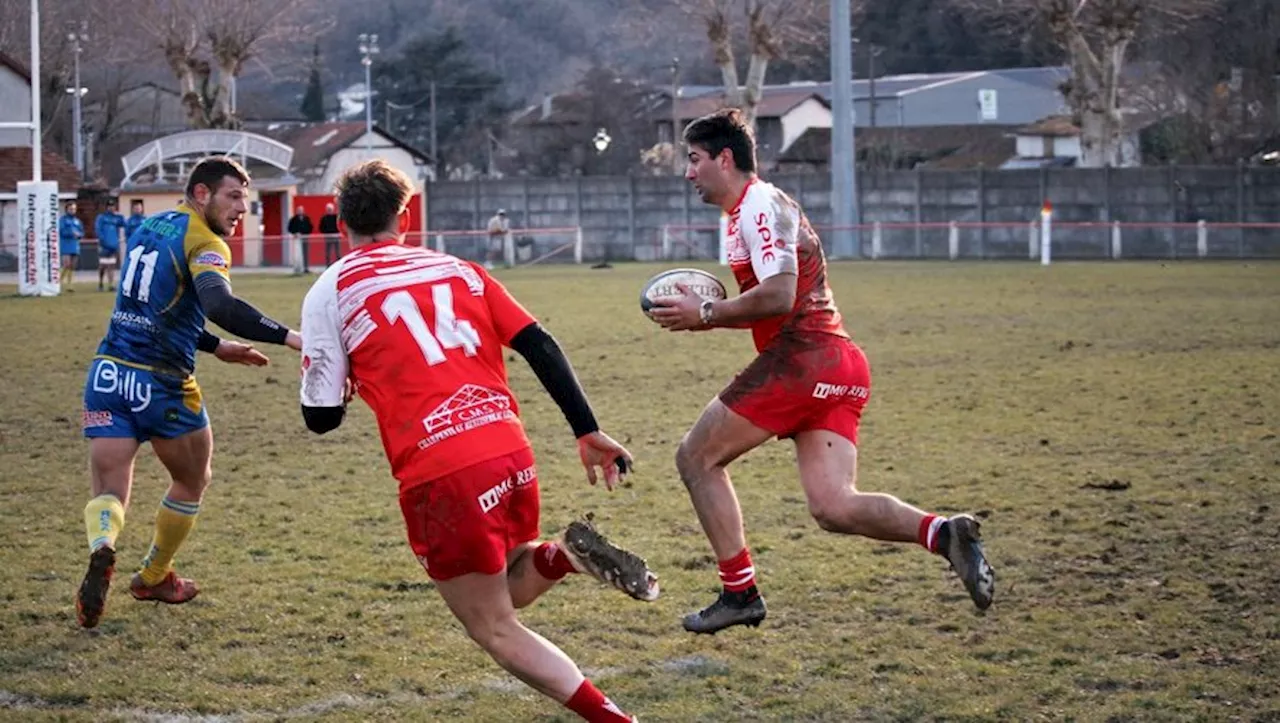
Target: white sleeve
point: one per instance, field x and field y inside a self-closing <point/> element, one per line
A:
<point x="324" y="360"/>
<point x="768" y="226"/>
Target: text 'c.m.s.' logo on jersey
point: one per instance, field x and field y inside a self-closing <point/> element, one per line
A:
<point x="470" y="407"/>
<point x="212" y="258"/>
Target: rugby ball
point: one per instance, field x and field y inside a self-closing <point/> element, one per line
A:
<point x="663" y="286"/>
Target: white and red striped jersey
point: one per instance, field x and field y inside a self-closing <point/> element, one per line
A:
<point x="768" y="235"/>
<point x="420" y="333"/>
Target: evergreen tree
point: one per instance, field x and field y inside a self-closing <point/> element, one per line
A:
<point x="313" y="100"/>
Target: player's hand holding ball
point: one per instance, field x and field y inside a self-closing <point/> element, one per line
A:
<point x="674" y="299"/>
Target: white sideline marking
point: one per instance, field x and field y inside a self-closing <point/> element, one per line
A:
<point x="341" y="701"/>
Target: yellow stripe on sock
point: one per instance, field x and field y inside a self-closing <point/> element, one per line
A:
<point x="103" y="520"/>
<point x="172" y="528"/>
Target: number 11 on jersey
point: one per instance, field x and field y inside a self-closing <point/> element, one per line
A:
<point x="148" y="263"/>
<point x="450" y="332"/>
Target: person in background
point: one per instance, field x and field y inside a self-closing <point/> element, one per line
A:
<point x="499" y="232"/>
<point x="70" y="233"/>
<point x="136" y="217"/>
<point x="329" y="228"/>
<point x="107" y="226"/>
<point x="299" y="229"/>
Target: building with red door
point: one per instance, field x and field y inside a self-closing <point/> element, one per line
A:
<point x="293" y="165"/>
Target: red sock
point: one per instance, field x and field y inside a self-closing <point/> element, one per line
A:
<point x="551" y="562"/>
<point x="594" y="707"/>
<point x="737" y="573"/>
<point x="928" y="535"/>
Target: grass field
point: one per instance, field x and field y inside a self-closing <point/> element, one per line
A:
<point x="1114" y="424"/>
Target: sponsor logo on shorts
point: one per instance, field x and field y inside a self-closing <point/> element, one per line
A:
<point x="822" y="390"/>
<point x="492" y="496"/>
<point x="212" y="258"/>
<point x="109" y="379"/>
<point x="94" y="418"/>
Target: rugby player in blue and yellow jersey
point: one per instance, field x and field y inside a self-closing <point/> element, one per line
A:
<point x="141" y="387"/>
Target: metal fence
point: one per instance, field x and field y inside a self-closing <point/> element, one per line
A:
<point x="953" y="240"/>
<point x="1158" y="209"/>
<point x="956" y="240"/>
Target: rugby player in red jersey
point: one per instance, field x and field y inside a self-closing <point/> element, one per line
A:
<point x="809" y="383"/>
<point x="420" y="335"/>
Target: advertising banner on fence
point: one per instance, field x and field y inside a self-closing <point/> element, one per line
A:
<point x="38" y="258"/>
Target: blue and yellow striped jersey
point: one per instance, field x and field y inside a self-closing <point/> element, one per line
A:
<point x="158" y="317"/>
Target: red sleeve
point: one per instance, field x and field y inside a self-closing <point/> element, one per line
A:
<point x="509" y="317"/>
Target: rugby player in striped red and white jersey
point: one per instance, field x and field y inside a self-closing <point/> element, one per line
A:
<point x="420" y="334"/>
<point x="809" y="383"/>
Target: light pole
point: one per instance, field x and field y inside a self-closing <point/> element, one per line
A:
<point x="676" y="161"/>
<point x="368" y="49"/>
<point x="601" y="140"/>
<point x="77" y="37"/>
<point x="844" y="176"/>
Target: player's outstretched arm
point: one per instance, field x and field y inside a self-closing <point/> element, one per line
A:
<point x="238" y="316"/>
<point x="326" y="370"/>
<point x="552" y="368"/>
<point x="231" y="352"/>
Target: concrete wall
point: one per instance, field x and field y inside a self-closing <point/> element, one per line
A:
<point x="624" y="217"/>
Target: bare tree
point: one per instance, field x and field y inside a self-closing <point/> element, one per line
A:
<point x="1096" y="36"/>
<point x="1218" y="101"/>
<point x="766" y="31"/>
<point x="207" y="43"/>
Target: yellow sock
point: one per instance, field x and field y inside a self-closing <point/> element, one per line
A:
<point x="174" y="521"/>
<point x="103" y="520"/>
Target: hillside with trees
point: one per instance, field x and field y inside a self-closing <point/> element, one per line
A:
<point x="489" y="58"/>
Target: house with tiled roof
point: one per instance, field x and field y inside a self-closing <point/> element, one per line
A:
<point x="292" y="163"/>
<point x="16" y="155"/>
<point x="782" y="116"/>
<point x="322" y="151"/>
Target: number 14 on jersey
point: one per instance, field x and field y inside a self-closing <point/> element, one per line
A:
<point x="450" y="332"/>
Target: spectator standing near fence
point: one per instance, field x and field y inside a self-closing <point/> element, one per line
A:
<point x="329" y="229"/>
<point x="299" y="229"/>
<point x="70" y="232"/>
<point x="499" y="238"/>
